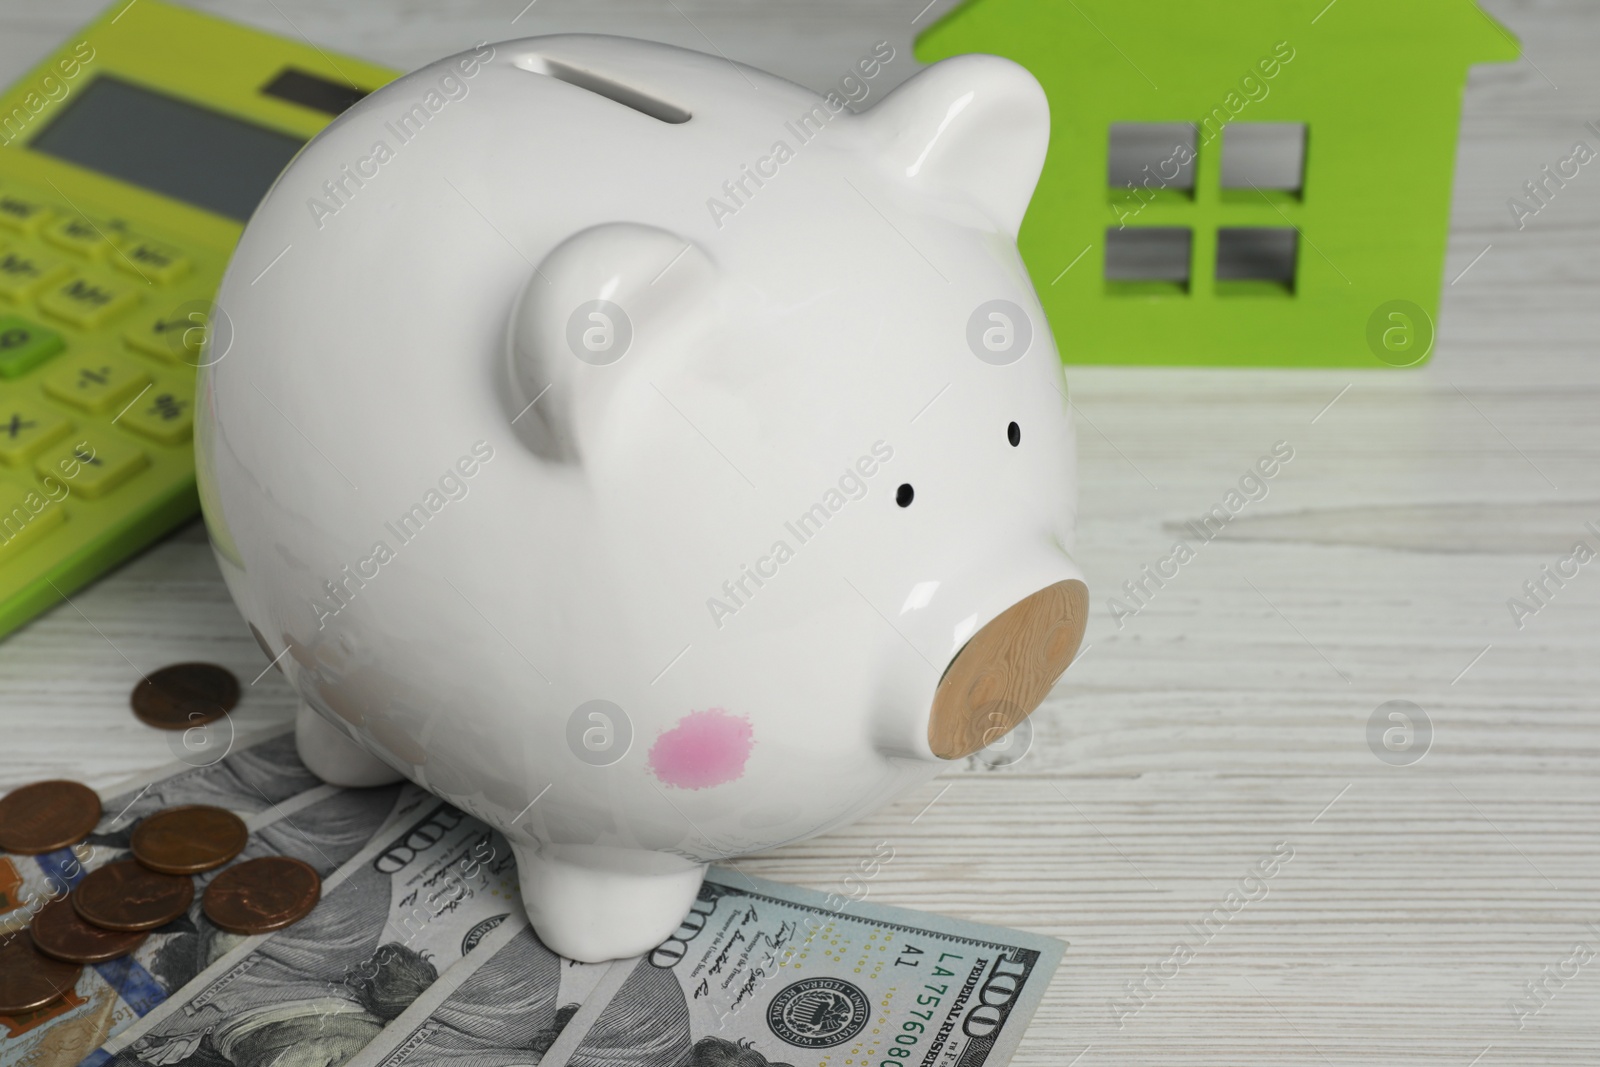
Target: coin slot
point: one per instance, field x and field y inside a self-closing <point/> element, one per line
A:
<point x="626" y="95"/>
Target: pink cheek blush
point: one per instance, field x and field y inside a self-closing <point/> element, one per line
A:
<point x="706" y="748"/>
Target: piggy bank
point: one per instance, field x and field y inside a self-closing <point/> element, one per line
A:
<point x="649" y="456"/>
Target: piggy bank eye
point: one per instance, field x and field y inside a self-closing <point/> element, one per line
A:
<point x="1014" y="434"/>
<point x="903" y="495"/>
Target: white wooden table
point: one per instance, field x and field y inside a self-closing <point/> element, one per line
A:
<point x="1230" y="715"/>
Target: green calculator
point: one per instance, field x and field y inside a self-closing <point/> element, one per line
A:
<point x="129" y="162"/>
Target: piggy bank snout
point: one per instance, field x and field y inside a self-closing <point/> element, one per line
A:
<point x="1007" y="669"/>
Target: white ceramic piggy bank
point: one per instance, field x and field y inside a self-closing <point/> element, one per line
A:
<point x="647" y="455"/>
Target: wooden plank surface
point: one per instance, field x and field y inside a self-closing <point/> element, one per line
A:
<point x="1227" y="718"/>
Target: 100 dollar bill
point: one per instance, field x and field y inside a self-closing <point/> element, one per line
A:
<point x="766" y="974"/>
<point x="413" y="902"/>
<point x="321" y="825"/>
<point x="505" y="1004"/>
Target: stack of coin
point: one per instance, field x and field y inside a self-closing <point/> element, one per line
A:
<point x="36" y="819"/>
<point x="111" y="910"/>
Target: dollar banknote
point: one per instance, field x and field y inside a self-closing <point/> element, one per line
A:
<point x="321" y="825"/>
<point x="402" y="911"/>
<point x="767" y="975"/>
<point x="505" y="1004"/>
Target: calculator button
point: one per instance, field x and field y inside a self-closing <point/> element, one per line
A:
<point x="21" y="214"/>
<point x="26" y="428"/>
<point x="169" y="335"/>
<point x="24" y="345"/>
<point x="92" y="467"/>
<point x="88" y="302"/>
<point x="163" y="414"/>
<point x="78" y="235"/>
<point x="26" y="514"/>
<point x="160" y="263"/>
<point x="23" y="273"/>
<point x="95" y="383"/>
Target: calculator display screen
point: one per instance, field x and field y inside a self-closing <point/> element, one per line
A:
<point x="169" y="146"/>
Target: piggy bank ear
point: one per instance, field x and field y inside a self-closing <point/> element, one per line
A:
<point x="590" y="310"/>
<point x="976" y="123"/>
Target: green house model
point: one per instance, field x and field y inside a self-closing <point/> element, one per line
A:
<point x="1252" y="182"/>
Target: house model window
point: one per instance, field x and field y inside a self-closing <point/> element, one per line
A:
<point x="1149" y="258"/>
<point x="1257" y="254"/>
<point x="1159" y="165"/>
<point x="1149" y="157"/>
<point x="1264" y="156"/>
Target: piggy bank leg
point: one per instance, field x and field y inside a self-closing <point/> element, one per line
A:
<point x="335" y="758"/>
<point x="594" y="903"/>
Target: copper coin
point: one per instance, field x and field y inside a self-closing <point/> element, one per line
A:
<point x="189" y="839"/>
<point x="45" y="816"/>
<point x="185" y="695"/>
<point x="28" y="978"/>
<point x="59" y="931"/>
<point x="126" y="895"/>
<point x="262" y="894"/>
